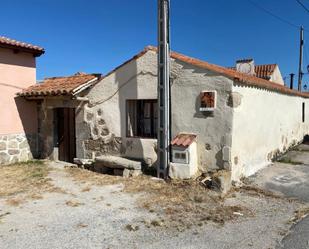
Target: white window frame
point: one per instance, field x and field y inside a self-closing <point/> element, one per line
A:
<point x="207" y="109"/>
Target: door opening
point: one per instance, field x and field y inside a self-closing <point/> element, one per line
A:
<point x="65" y="134"/>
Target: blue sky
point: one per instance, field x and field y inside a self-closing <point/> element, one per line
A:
<point x="95" y="36"/>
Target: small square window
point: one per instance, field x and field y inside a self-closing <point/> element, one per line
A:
<point x="208" y="100"/>
<point x="180" y="157"/>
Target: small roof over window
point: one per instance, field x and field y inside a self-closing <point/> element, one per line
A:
<point x="183" y="139"/>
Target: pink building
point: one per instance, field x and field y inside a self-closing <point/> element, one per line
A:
<point x="18" y="122"/>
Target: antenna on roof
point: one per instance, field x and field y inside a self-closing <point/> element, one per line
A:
<point x="164" y="136"/>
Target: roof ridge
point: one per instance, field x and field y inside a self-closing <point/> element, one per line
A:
<point x="28" y="47"/>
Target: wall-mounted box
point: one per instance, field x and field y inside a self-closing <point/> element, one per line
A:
<point x="184" y="156"/>
<point x="208" y="100"/>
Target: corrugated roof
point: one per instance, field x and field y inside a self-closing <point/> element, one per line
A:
<point x="6" y="42"/>
<point x="60" y="85"/>
<point x="183" y="139"/>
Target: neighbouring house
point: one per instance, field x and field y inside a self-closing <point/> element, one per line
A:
<point x="270" y="72"/>
<point x="222" y="119"/>
<point x="18" y="124"/>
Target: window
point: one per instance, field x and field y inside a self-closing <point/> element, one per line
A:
<point x="180" y="156"/>
<point x="142" y="118"/>
<point x="303" y="112"/>
<point x="208" y="100"/>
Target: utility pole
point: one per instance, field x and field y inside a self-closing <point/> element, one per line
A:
<point x="291" y="80"/>
<point x="300" y="67"/>
<point x="163" y="88"/>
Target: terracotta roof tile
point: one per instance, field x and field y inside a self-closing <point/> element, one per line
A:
<point x="13" y="44"/>
<point x="262" y="71"/>
<point x="238" y="77"/>
<point x="60" y="85"/>
<point x="183" y="139"/>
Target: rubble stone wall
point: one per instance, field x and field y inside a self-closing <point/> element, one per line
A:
<point x="17" y="148"/>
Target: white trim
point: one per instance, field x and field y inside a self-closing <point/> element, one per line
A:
<point x="207" y="109"/>
<point x="84" y="86"/>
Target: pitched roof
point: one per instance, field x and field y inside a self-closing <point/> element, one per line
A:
<point x="61" y="85"/>
<point x="18" y="45"/>
<point x="262" y="71"/>
<point x="237" y="77"/>
<point x="183" y="139"/>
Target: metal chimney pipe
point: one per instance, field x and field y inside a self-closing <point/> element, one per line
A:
<point x="291" y="80"/>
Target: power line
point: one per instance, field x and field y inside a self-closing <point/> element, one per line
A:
<point x="301" y="4"/>
<point x="274" y="15"/>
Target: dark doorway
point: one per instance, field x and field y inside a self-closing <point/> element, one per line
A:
<point x="65" y="125"/>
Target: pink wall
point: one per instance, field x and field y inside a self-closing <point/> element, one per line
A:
<point x="17" y="71"/>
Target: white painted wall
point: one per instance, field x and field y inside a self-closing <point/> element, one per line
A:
<point x="264" y="124"/>
<point x="276" y="76"/>
<point x="138" y="80"/>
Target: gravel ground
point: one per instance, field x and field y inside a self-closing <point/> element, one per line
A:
<point x="98" y="218"/>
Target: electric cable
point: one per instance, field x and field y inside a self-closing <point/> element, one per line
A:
<point x="275" y="16"/>
<point x="301" y="4"/>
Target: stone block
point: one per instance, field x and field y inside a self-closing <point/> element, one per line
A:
<point x="12" y="144"/>
<point x="24" y="155"/>
<point x="24" y="144"/>
<point x="118" y="162"/>
<point x="13" y="152"/>
<point x="14" y="159"/>
<point x="4" y="158"/>
<point x="2" y="145"/>
<point x="222" y="180"/>
<point x="126" y="173"/>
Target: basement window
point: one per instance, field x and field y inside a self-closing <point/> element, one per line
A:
<point x="208" y="100"/>
<point x="142" y="118"/>
<point x="303" y="112"/>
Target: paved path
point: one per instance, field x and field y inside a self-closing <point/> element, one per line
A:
<point x="290" y="179"/>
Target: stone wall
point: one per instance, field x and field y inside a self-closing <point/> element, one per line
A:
<point x="100" y="140"/>
<point x="17" y="148"/>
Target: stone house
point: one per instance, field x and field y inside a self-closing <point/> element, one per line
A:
<point x="239" y="122"/>
<point x="18" y="124"/>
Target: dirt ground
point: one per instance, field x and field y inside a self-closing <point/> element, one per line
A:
<point x="47" y="205"/>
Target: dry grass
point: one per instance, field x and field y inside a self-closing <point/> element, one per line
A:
<point x="256" y="191"/>
<point x="24" y="177"/>
<point x="179" y="204"/>
<point x="23" y="181"/>
<point x="300" y="214"/>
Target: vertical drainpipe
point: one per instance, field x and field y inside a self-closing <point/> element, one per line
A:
<point x="163" y="88"/>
